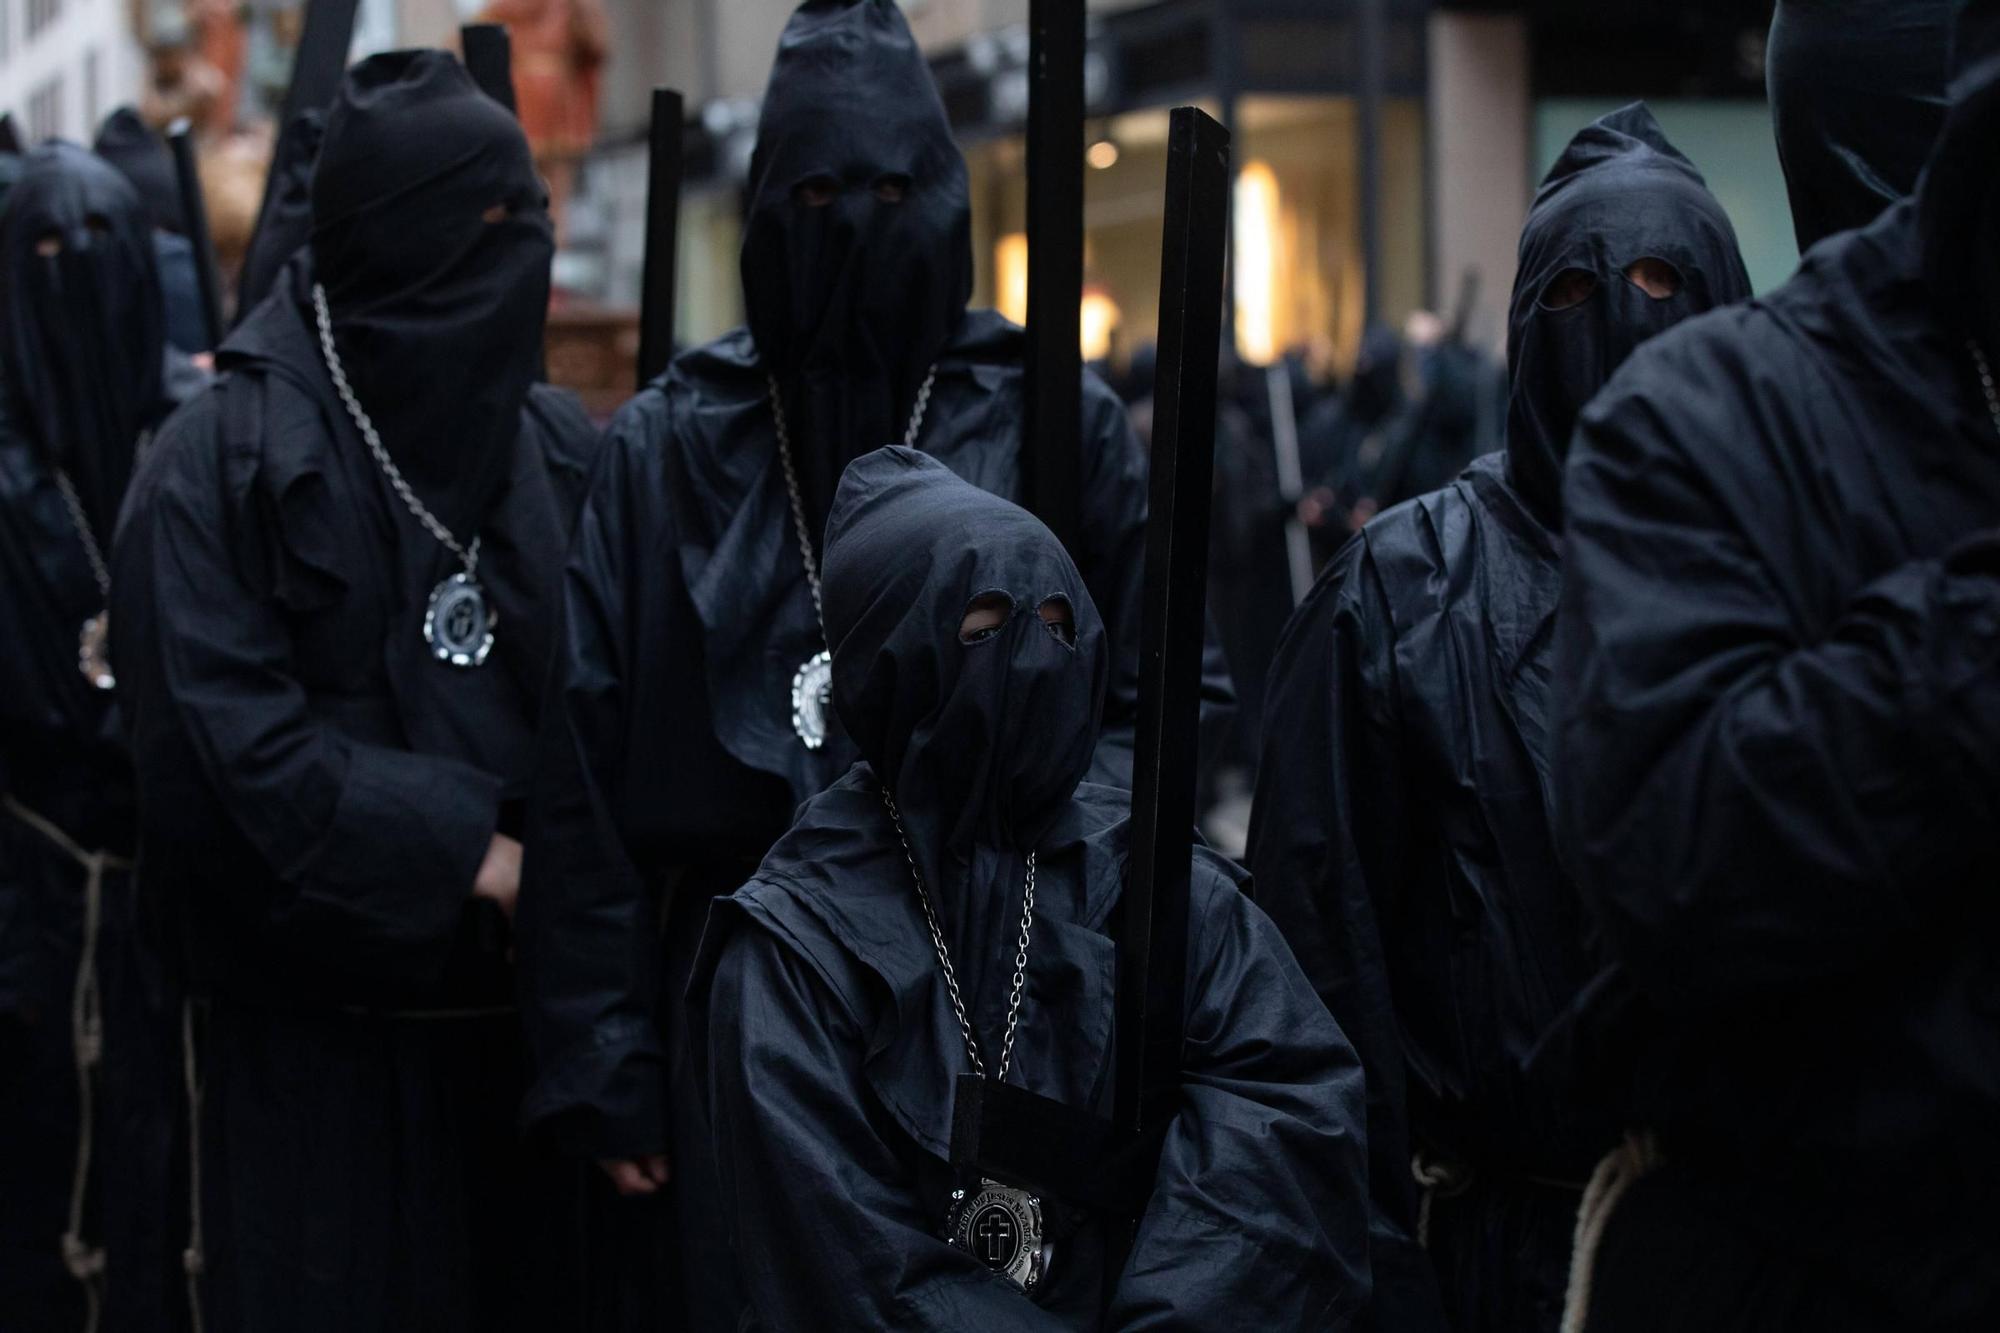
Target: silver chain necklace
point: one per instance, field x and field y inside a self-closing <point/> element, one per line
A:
<point x="93" y="644"/>
<point x="458" y="624"/>
<point x="999" y="1225"/>
<point x="1986" y="381"/>
<point x="812" y="683"/>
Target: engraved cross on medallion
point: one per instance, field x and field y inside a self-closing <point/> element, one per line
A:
<point x="995" y="1234"/>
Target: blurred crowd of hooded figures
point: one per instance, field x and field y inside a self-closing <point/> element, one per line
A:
<point x="462" y="869"/>
<point x="1418" y="405"/>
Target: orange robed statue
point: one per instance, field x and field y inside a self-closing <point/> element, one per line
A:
<point x="559" y="48"/>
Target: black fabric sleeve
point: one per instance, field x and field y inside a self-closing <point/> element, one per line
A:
<point x="588" y="925"/>
<point x="1326" y="841"/>
<point x="822" y="1210"/>
<point x="378" y="847"/>
<point x="1257" y="1218"/>
<point x="1752" y="795"/>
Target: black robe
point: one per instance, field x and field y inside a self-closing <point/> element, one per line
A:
<point x="1402" y="834"/>
<point x="1777" y="780"/>
<point x="63" y="758"/>
<point x="79" y="963"/>
<point x="828" y="1050"/>
<point x="318" y="795"/>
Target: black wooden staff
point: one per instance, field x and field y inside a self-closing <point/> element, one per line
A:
<point x="1008" y="1133"/>
<point x="489" y="58"/>
<point x="318" y="66"/>
<point x="180" y="138"/>
<point x="663" y="217"/>
<point x="1052" y="452"/>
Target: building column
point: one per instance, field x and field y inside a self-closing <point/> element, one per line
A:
<point x="1481" y="124"/>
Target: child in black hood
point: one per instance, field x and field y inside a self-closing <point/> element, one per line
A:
<point x="960" y="863"/>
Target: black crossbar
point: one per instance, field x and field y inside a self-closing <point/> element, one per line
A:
<point x="1153" y="933"/>
<point x="1005" y="1132"/>
<point x="1052" y="452"/>
<point x="208" y="276"/>
<point x="489" y="58"/>
<point x="664" y="165"/>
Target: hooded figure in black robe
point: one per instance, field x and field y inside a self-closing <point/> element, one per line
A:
<point x="671" y="762"/>
<point x="1402" y="835"/>
<point x="1857" y="93"/>
<point x="129" y="144"/>
<point x="1778" y="777"/>
<point x="970" y="666"/>
<point x="319" y="791"/>
<point x="1336" y="435"/>
<point x="86" y="1030"/>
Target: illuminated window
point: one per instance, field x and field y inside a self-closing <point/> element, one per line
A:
<point x="1010" y="276"/>
<point x="1255" y="232"/>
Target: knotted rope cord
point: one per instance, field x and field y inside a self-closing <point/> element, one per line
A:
<point x="1438" y="1179"/>
<point x="84" y="1261"/>
<point x="1620" y="1169"/>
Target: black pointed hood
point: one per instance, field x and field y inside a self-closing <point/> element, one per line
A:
<point x="129" y="144"/>
<point x="82" y="324"/>
<point x="431" y="235"/>
<point x="1620" y="193"/>
<point x="981" y="742"/>
<point x="1857" y="92"/>
<point x="857" y="258"/>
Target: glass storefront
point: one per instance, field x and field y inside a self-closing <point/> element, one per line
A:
<point x="1296" y="251"/>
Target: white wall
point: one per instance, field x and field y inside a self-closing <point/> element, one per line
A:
<point x="63" y="52"/>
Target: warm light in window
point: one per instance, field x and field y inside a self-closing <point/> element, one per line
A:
<point x="1100" y="317"/>
<point x="1103" y="155"/>
<point x="1256" y="256"/>
<point x="1010" y="276"/>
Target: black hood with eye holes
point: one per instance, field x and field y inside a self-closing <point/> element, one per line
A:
<point x="1619" y="193"/>
<point x="851" y="302"/>
<point x="82" y="331"/>
<point x="1857" y="92"/>
<point x="982" y="742"/>
<point x="437" y="312"/>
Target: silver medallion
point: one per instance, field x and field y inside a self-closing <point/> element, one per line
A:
<point x="1002" y="1228"/>
<point x="458" y="625"/>
<point x="93" y="651"/>
<point x="812" y="695"/>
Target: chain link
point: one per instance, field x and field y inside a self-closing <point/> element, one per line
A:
<point x="910" y="436"/>
<point x="90" y="547"/>
<point x="467" y="556"/>
<point x="1986" y="381"/>
<point x="1020" y="980"/>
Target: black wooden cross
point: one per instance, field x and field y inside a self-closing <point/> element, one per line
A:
<point x="664" y="165"/>
<point x="1051" y="451"/>
<point x="318" y="66"/>
<point x="180" y="139"/>
<point x="489" y="59"/>
<point x="1007" y="1133"/>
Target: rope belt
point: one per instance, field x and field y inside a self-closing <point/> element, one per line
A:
<point x="194" y="1259"/>
<point x="1444" y="1178"/>
<point x="84" y="1261"/>
<point x="1621" y="1168"/>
